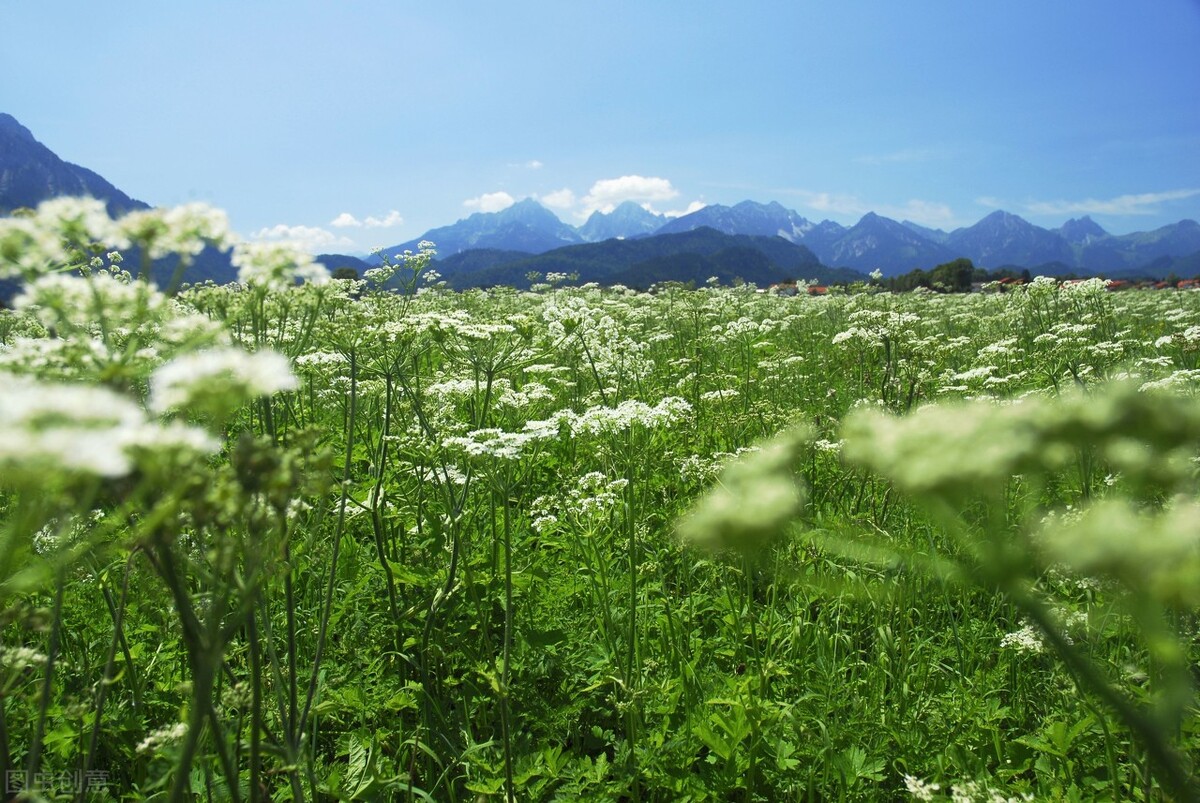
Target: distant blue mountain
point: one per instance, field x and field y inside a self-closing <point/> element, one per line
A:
<point x="627" y="220"/>
<point x="880" y="243"/>
<point x="1005" y="239"/>
<point x="933" y="235"/>
<point x="1176" y="239"/>
<point x="525" y="226"/>
<point x="690" y="256"/>
<point x="999" y="240"/>
<point x="748" y="217"/>
<point x="1081" y="231"/>
<point x="31" y="173"/>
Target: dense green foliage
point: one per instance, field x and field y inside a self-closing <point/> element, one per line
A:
<point x="433" y="550"/>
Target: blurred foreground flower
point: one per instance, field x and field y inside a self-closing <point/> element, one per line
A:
<point x="957" y="451"/>
<point x="755" y="498"/>
<point x="218" y="381"/>
<point x="276" y="266"/>
<point x="48" y="428"/>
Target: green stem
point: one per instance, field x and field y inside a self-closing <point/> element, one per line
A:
<point x="505" y="714"/>
<point x="327" y="605"/>
<point x="35" y="748"/>
<point x="109" y="665"/>
<point x="254" y="649"/>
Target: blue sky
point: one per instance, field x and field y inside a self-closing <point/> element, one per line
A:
<point x="360" y="123"/>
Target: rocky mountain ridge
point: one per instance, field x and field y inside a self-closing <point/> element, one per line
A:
<point x="1001" y="239"/>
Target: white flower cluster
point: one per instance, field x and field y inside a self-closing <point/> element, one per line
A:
<point x="454" y="387"/>
<point x="55" y="534"/>
<point x="19" y="658"/>
<point x="163" y="737"/>
<point x="698" y="468"/>
<point x="31" y="246"/>
<point x="743" y="328"/>
<point x="319" y="362"/>
<point x="720" y="394"/>
<point x="592" y="495"/>
<point x="80" y="429"/>
<point x="276" y="266"/>
<point x="873" y="327"/>
<point x="754" y="500"/>
<point x="611" y="351"/>
<point x="181" y="230"/>
<point x="1182" y="380"/>
<point x="59" y="357"/>
<point x="595" y="493"/>
<point x="966" y="792"/>
<point x="83" y="302"/>
<point x="1025" y="640"/>
<point x="593" y="421"/>
<point x="606" y="420"/>
<point x="920" y="789"/>
<point x="529" y="393"/>
<point x="226" y="377"/>
<point x="455" y="323"/>
<point x="493" y="442"/>
<point x="407" y="260"/>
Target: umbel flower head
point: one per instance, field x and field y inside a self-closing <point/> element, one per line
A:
<point x="1155" y="551"/>
<point x="276" y="266"/>
<point x="218" y="381"/>
<point x="755" y="498"/>
<point x="30" y="246"/>
<point x="50" y="429"/>
<point x="952" y="451"/>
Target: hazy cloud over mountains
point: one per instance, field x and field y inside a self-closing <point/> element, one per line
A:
<point x="388" y="221"/>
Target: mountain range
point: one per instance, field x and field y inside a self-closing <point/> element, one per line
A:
<point x="631" y="245"/>
<point x="1000" y="240"/>
<point x="695" y="255"/>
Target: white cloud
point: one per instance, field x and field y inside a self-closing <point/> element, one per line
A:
<point x="388" y="221"/>
<point x="310" y="238"/>
<point x="927" y="213"/>
<point x="534" y="164"/>
<point x="694" y="206"/>
<point x="490" y="202"/>
<point x="345" y="220"/>
<point x="606" y="193"/>
<point x="1138" y="204"/>
<point x="559" y="199"/>
<point x="834" y="204"/>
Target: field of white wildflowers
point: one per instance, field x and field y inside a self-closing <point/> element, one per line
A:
<point x="309" y="539"/>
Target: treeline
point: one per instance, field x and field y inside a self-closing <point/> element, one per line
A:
<point x="953" y="277"/>
<point x="960" y="275"/>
